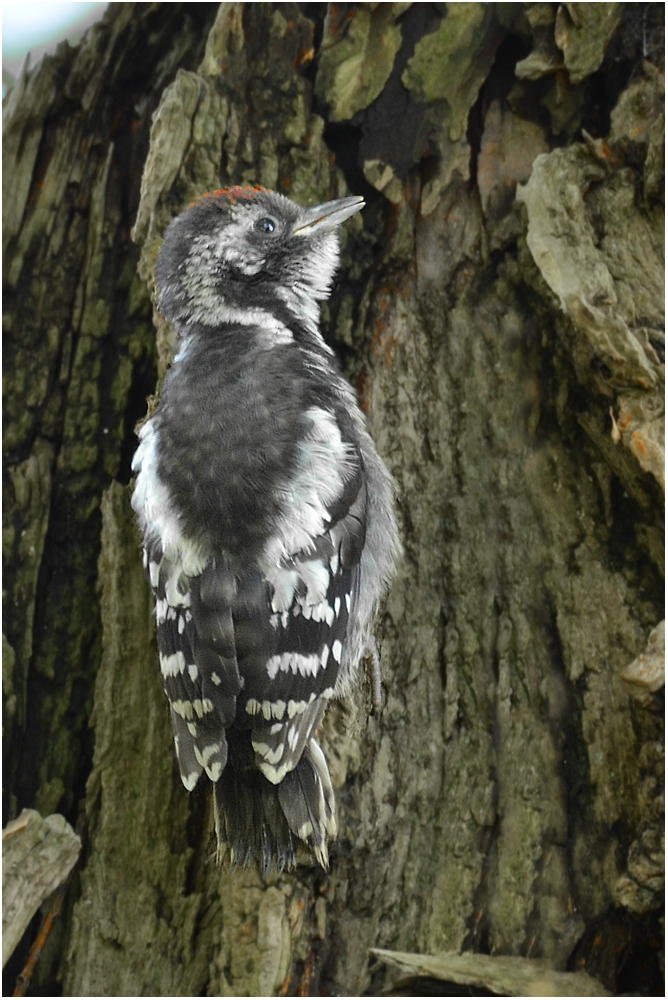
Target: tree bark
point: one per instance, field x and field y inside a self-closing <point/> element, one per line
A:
<point x="499" y="309"/>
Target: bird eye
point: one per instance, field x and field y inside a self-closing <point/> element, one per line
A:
<point x="265" y="225"/>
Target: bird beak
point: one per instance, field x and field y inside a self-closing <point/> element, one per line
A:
<point x="327" y="216"/>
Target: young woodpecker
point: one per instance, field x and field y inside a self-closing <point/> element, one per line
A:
<point x="267" y="516"/>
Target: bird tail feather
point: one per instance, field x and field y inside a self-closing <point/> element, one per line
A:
<point x="307" y="800"/>
<point x="265" y="823"/>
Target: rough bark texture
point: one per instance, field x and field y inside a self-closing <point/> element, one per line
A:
<point x="37" y="857"/>
<point x="499" y="309"/>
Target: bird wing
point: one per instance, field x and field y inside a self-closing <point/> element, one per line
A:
<point x="195" y="634"/>
<point x="291" y="638"/>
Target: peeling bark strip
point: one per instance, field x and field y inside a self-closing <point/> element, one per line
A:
<point x="37" y="856"/>
<point x="507" y="350"/>
<point x="508" y="977"/>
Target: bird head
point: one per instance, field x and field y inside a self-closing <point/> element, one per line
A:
<point x="244" y="252"/>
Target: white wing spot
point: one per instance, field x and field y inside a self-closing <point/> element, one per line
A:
<point x="175" y="596"/>
<point x="172" y="665"/>
<point x="183" y="708"/>
<point x="273" y="773"/>
<point x="164" y="611"/>
<point x="202" y="706"/>
<point x="297" y="663"/>
<point x="274" y="710"/>
<point x="337" y="649"/>
<point x="204" y="756"/>
<point x="190" y="780"/>
<point x="285" y="583"/>
<point x="269" y="755"/>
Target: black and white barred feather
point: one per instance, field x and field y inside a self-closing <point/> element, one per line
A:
<point x="267" y="516"/>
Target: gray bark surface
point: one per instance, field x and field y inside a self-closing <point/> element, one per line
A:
<point x="499" y="311"/>
<point x="37" y="856"/>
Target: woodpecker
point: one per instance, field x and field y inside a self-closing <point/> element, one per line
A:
<point x="267" y="516"/>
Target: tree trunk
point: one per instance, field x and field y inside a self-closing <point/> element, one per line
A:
<point x="499" y="309"/>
